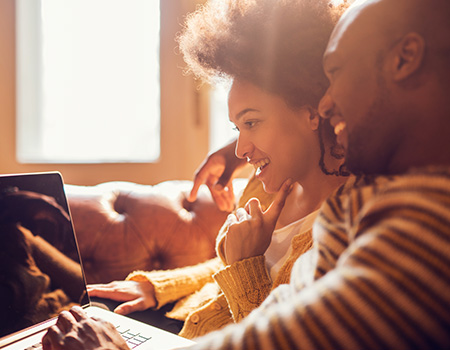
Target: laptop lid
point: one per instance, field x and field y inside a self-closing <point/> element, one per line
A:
<point x="40" y="265"/>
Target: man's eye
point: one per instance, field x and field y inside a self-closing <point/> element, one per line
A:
<point x="235" y="128"/>
<point x="332" y="71"/>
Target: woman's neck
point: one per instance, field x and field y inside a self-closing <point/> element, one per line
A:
<point x="308" y="196"/>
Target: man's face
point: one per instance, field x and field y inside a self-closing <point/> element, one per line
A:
<point x="357" y="101"/>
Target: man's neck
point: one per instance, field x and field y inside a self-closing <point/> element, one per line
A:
<point x="429" y="147"/>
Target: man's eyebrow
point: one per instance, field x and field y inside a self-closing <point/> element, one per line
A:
<point x="245" y="111"/>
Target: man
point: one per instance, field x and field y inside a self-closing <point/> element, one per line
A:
<point x="382" y="276"/>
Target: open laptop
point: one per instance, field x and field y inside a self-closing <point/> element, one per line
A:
<point x="41" y="271"/>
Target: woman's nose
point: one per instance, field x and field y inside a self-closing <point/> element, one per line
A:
<point x="326" y="105"/>
<point x="243" y="148"/>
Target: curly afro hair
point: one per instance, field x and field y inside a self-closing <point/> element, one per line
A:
<point x="276" y="45"/>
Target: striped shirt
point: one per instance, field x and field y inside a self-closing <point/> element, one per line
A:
<point x="381" y="277"/>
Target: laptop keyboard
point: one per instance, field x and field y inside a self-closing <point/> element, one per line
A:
<point x="133" y="339"/>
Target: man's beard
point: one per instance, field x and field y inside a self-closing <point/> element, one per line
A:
<point x="370" y="148"/>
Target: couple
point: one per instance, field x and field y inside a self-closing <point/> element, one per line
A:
<point x="381" y="243"/>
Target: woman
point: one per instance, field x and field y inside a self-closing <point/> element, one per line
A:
<point x="271" y="52"/>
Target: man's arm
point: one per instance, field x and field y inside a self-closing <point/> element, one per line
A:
<point x="217" y="172"/>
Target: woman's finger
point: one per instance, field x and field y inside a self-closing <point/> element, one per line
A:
<point x="273" y="212"/>
<point x="241" y="214"/>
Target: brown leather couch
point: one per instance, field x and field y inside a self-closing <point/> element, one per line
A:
<point x="123" y="226"/>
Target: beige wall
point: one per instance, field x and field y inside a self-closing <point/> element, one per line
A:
<point x="184" y="130"/>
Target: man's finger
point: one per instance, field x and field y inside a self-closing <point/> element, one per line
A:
<point x="218" y="197"/>
<point x="225" y="178"/>
<point x="65" y="321"/>
<point x="52" y="339"/>
<point x="274" y="211"/>
<point x="198" y="181"/>
<point x="78" y="313"/>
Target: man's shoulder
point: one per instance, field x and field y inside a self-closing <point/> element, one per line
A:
<point x="418" y="180"/>
<point x="414" y="180"/>
<point x="432" y="184"/>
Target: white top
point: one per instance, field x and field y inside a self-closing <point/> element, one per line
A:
<point x="280" y="247"/>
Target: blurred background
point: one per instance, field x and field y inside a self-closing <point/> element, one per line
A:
<point x="95" y="89"/>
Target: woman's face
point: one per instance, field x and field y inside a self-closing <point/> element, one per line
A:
<point x="278" y="141"/>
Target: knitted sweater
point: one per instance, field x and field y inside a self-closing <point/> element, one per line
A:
<point x="382" y="281"/>
<point x="205" y="305"/>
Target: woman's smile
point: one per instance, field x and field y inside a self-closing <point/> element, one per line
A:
<point x="259" y="165"/>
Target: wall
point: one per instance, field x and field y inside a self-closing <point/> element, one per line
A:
<point x="184" y="129"/>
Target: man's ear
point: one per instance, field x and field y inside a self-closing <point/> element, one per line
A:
<point x="408" y="56"/>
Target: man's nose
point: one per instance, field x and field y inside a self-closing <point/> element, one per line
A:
<point x="326" y="106"/>
<point x="243" y="147"/>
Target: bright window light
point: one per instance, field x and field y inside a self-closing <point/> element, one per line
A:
<point x="88" y="81"/>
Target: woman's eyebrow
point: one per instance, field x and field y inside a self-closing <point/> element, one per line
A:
<point x="244" y="111"/>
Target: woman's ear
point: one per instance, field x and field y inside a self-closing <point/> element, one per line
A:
<point x="408" y="56"/>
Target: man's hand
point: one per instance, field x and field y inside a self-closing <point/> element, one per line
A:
<point x="137" y="296"/>
<point x="250" y="230"/>
<point x="217" y="172"/>
<point x="74" y="330"/>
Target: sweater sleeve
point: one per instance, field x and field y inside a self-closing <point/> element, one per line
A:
<point x="172" y="285"/>
<point x="245" y="284"/>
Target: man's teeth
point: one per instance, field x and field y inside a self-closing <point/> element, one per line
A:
<point x="339" y="127"/>
<point x="259" y="165"/>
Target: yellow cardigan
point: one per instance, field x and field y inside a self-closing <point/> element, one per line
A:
<point x="211" y="295"/>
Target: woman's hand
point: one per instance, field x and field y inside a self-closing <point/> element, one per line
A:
<point x="250" y="230"/>
<point x="74" y="330"/>
<point x="217" y="172"/>
<point x="137" y="296"/>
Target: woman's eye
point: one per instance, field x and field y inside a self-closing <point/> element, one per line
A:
<point x="250" y="124"/>
<point x="247" y="125"/>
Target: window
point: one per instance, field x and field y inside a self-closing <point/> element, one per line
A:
<point x="184" y="130"/>
<point x="88" y="81"/>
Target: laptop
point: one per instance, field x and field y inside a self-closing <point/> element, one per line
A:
<point x="41" y="270"/>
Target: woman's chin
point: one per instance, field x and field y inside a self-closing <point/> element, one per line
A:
<point x="269" y="188"/>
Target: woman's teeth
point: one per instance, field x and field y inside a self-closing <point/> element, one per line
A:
<point x="259" y="165"/>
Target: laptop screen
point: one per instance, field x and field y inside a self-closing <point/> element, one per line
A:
<point x="40" y="267"/>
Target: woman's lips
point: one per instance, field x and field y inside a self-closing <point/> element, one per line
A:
<point x="260" y="165"/>
<point x="259" y="170"/>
